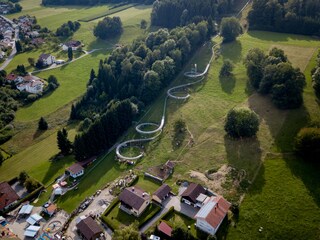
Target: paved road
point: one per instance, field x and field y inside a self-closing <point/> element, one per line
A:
<point x="54" y="66"/>
<point x="14" y="50"/>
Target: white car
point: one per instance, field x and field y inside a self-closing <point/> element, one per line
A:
<point x="153" y="237"/>
<point x="60" y="61"/>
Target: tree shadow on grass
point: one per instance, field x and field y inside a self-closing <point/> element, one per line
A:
<point x="244" y="154"/>
<point x="38" y="133"/>
<point x="227" y="83"/>
<point x="232" y="51"/>
<point x="308" y="172"/>
<point x="275" y="36"/>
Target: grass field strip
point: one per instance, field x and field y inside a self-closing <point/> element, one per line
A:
<point x="170" y="94"/>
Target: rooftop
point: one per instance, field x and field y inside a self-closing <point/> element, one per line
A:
<point x="75" y="168"/>
<point x="89" y="228"/>
<point x="193" y="191"/>
<point x="214" y="211"/>
<point x="162" y="191"/>
<point x="134" y="197"/>
<point x="7" y="195"/>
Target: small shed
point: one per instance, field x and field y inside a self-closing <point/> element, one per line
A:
<point x="26" y="210"/>
<point x="50" y="209"/>
<point x="32" y="231"/>
<point x="165" y="229"/>
<point x="34" y="218"/>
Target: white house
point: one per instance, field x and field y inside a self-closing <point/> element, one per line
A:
<point x="34" y="86"/>
<point x="47" y="59"/>
<point x="75" y="170"/>
<point x="211" y="214"/>
<point x="75" y="45"/>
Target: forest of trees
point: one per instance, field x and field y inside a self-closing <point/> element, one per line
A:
<point x="89" y="2"/>
<point x="172" y="13"/>
<point x="273" y="74"/>
<point x="131" y="77"/>
<point x="290" y="16"/>
<point x="67" y="29"/>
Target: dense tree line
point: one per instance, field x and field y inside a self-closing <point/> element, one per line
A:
<point x="316" y="76"/>
<point x="67" y="29"/>
<point x="103" y="133"/>
<point x="140" y="70"/>
<point x="137" y="72"/>
<point x="108" y="28"/>
<point x="291" y="16"/>
<point x="273" y="74"/>
<point x="172" y="13"/>
<point x="90" y="2"/>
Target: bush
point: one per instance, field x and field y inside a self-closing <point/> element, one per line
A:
<point x="31" y="185"/>
<point x="241" y="122"/>
<point x="307" y="143"/>
<point x="226" y="68"/>
<point x="23" y="177"/>
<point x="230" y="29"/>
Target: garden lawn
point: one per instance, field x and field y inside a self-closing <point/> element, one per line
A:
<point x="147" y="185"/>
<point x="284" y="200"/>
<point x="119" y="218"/>
<point x="35" y="161"/>
<point x="73" y="79"/>
<point x="176" y="219"/>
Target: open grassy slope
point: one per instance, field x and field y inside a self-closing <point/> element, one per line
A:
<point x="284" y="200"/>
<point x="204" y="114"/>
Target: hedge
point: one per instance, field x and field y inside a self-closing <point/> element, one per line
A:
<point x="151" y="215"/>
<point x="111" y="224"/>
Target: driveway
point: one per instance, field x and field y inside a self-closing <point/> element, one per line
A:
<point x="173" y="201"/>
<point x="96" y="208"/>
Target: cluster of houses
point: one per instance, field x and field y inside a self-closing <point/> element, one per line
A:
<point x="211" y="209"/>
<point x="28" y="83"/>
<point x="26" y="29"/>
<point x="8" y="32"/>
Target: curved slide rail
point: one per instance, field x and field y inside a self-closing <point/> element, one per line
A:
<point x="159" y="127"/>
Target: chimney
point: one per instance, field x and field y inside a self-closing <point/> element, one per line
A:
<point x="215" y="209"/>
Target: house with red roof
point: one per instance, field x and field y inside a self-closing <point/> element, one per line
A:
<point x="75" y="170"/>
<point x="8" y="196"/>
<point x="211" y="214"/>
<point x="165" y="229"/>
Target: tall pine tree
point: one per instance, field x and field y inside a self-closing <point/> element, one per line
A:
<point x="64" y="144"/>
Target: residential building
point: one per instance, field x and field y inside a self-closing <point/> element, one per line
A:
<point x="190" y="195"/>
<point x="50" y="210"/>
<point x="161" y="194"/>
<point x="33" y="86"/>
<point x="14" y="78"/>
<point x="8" y="196"/>
<point x="75" y="45"/>
<point x="47" y="59"/>
<point x="75" y="170"/>
<point x="134" y="200"/>
<point x="89" y="229"/>
<point x="211" y="215"/>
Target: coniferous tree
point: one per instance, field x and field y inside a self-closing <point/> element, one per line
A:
<point x="64" y="144"/>
<point x="18" y="46"/>
<point x="70" y="53"/>
<point x="42" y="124"/>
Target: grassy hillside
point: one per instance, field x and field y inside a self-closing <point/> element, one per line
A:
<point x="284" y="200"/>
<point x="204" y="115"/>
